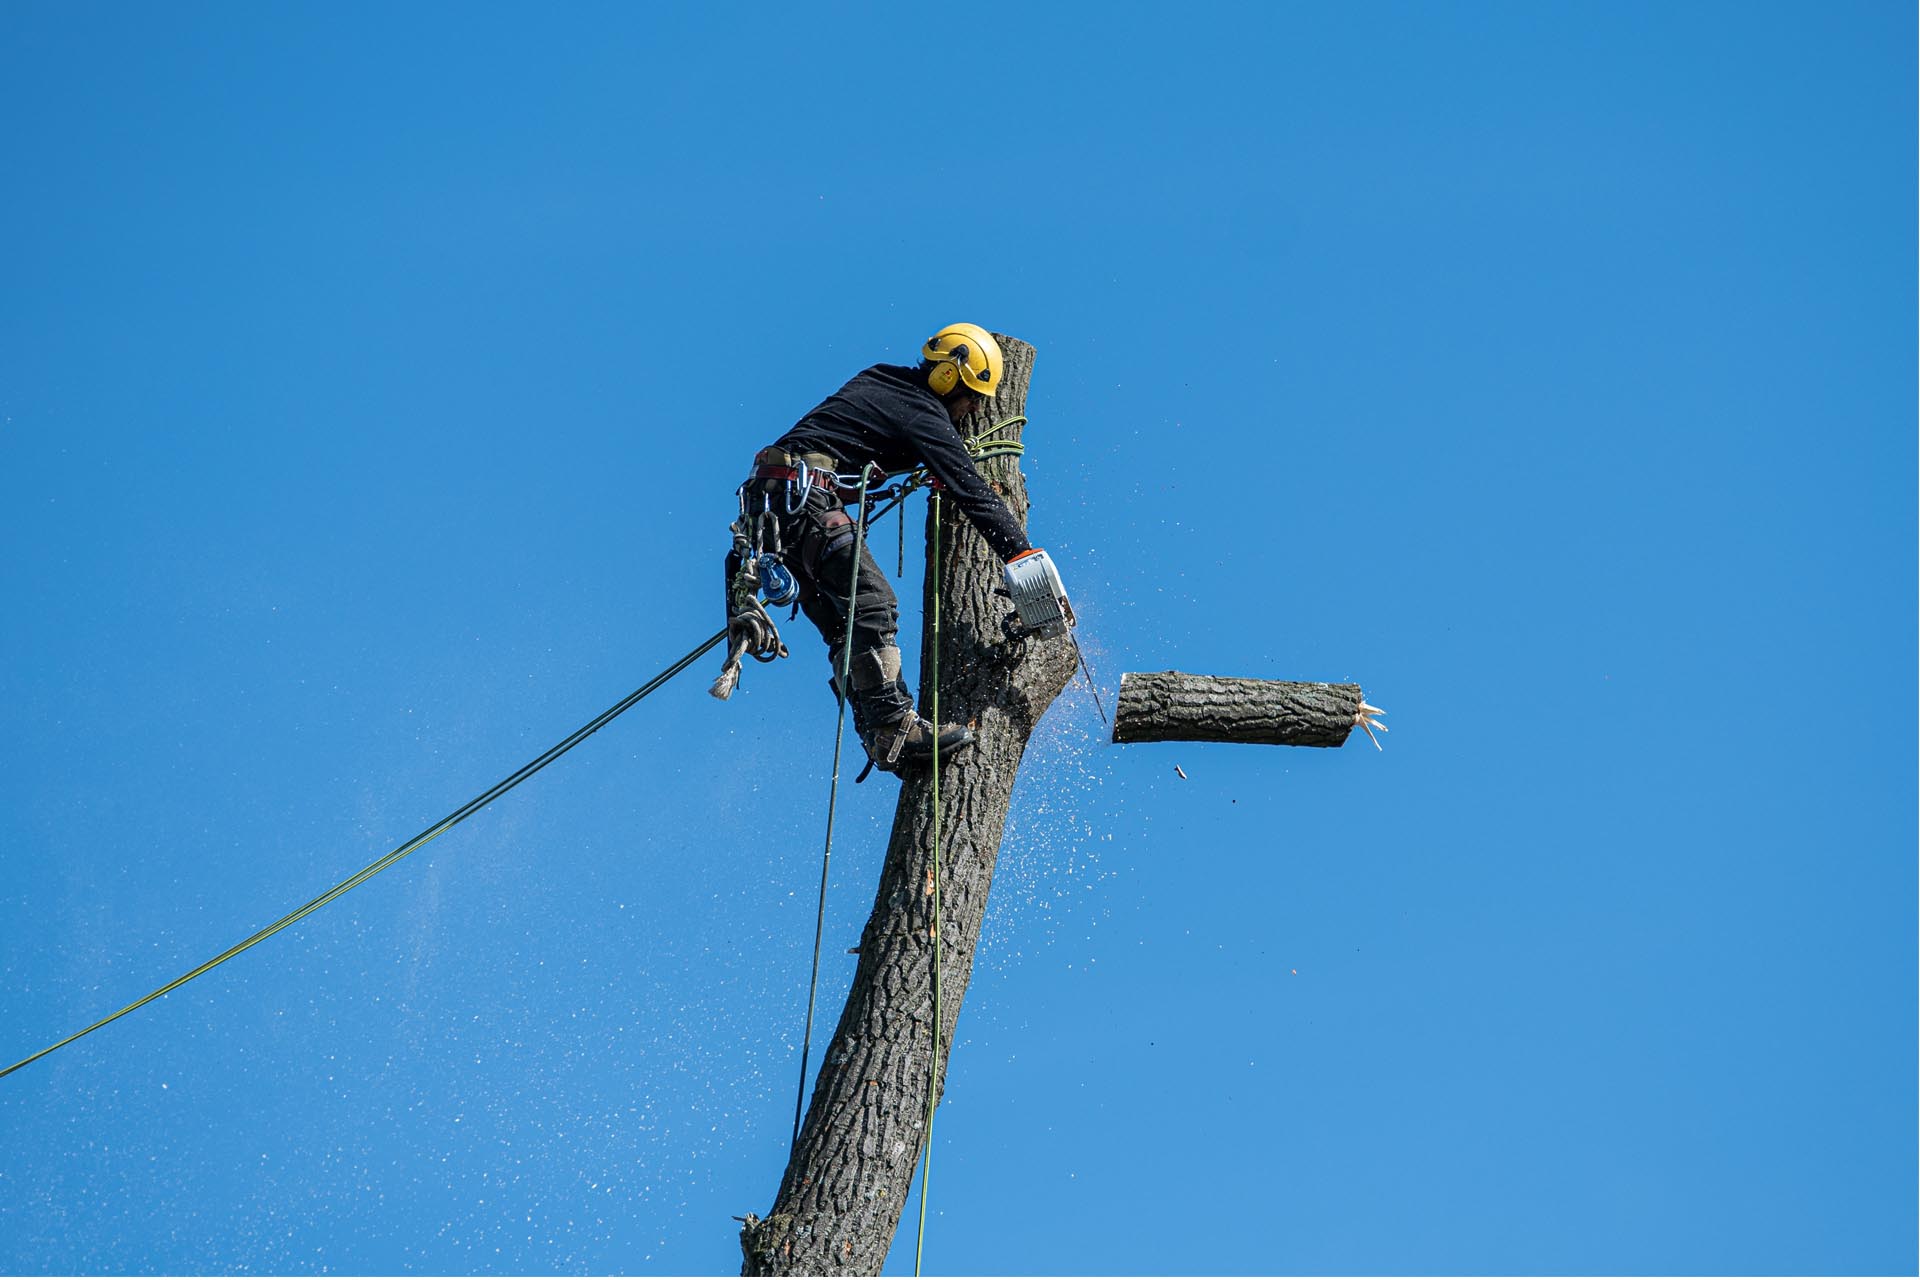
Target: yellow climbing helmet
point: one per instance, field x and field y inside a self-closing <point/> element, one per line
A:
<point x="963" y="354"/>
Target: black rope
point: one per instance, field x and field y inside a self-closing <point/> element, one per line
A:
<point x="374" y="868"/>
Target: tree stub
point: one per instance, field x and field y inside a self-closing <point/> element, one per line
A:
<point x="1172" y="706"/>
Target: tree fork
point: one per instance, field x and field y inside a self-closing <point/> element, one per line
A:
<point x="847" y="1180"/>
<point x="1172" y="706"/>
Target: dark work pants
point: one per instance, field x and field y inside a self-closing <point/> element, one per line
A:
<point x="819" y="541"/>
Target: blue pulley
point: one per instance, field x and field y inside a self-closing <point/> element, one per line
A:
<point x="777" y="585"/>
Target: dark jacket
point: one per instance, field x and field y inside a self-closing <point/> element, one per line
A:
<point x="886" y="415"/>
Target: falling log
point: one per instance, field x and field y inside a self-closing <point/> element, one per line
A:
<point x="1172" y="706"/>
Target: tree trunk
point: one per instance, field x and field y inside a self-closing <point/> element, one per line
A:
<point x="1172" y="706"/>
<point x="847" y="1180"/>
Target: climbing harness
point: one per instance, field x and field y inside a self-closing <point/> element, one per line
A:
<point x="380" y="864"/>
<point x="757" y="572"/>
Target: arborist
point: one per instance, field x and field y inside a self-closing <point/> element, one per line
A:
<point x="795" y="540"/>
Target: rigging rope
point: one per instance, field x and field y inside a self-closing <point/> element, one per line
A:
<point x="981" y="447"/>
<point x="981" y="451"/>
<point x="933" y="1058"/>
<point x="833" y="797"/>
<point x="380" y="864"/>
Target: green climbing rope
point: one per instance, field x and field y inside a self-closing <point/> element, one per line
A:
<point x="933" y="1057"/>
<point x="981" y="447"/>
<point x="981" y="450"/>
<point x="833" y="800"/>
<point x="380" y="864"/>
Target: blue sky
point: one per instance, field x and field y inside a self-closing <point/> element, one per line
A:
<point x="373" y="385"/>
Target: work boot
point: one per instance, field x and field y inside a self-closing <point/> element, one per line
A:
<point x="911" y="741"/>
<point x="883" y="713"/>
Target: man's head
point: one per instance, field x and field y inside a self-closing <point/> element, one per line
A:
<point x="963" y="364"/>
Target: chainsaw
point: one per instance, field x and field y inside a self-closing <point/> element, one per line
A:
<point x="1041" y="608"/>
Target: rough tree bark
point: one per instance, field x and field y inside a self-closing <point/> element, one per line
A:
<point x="848" y="1178"/>
<point x="1172" y="706"/>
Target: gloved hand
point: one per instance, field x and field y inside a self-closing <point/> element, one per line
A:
<point x="1038" y="595"/>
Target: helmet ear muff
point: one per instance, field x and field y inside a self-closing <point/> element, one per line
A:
<point x="945" y="374"/>
<point x="942" y="378"/>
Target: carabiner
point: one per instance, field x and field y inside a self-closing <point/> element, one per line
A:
<point x="794" y="506"/>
